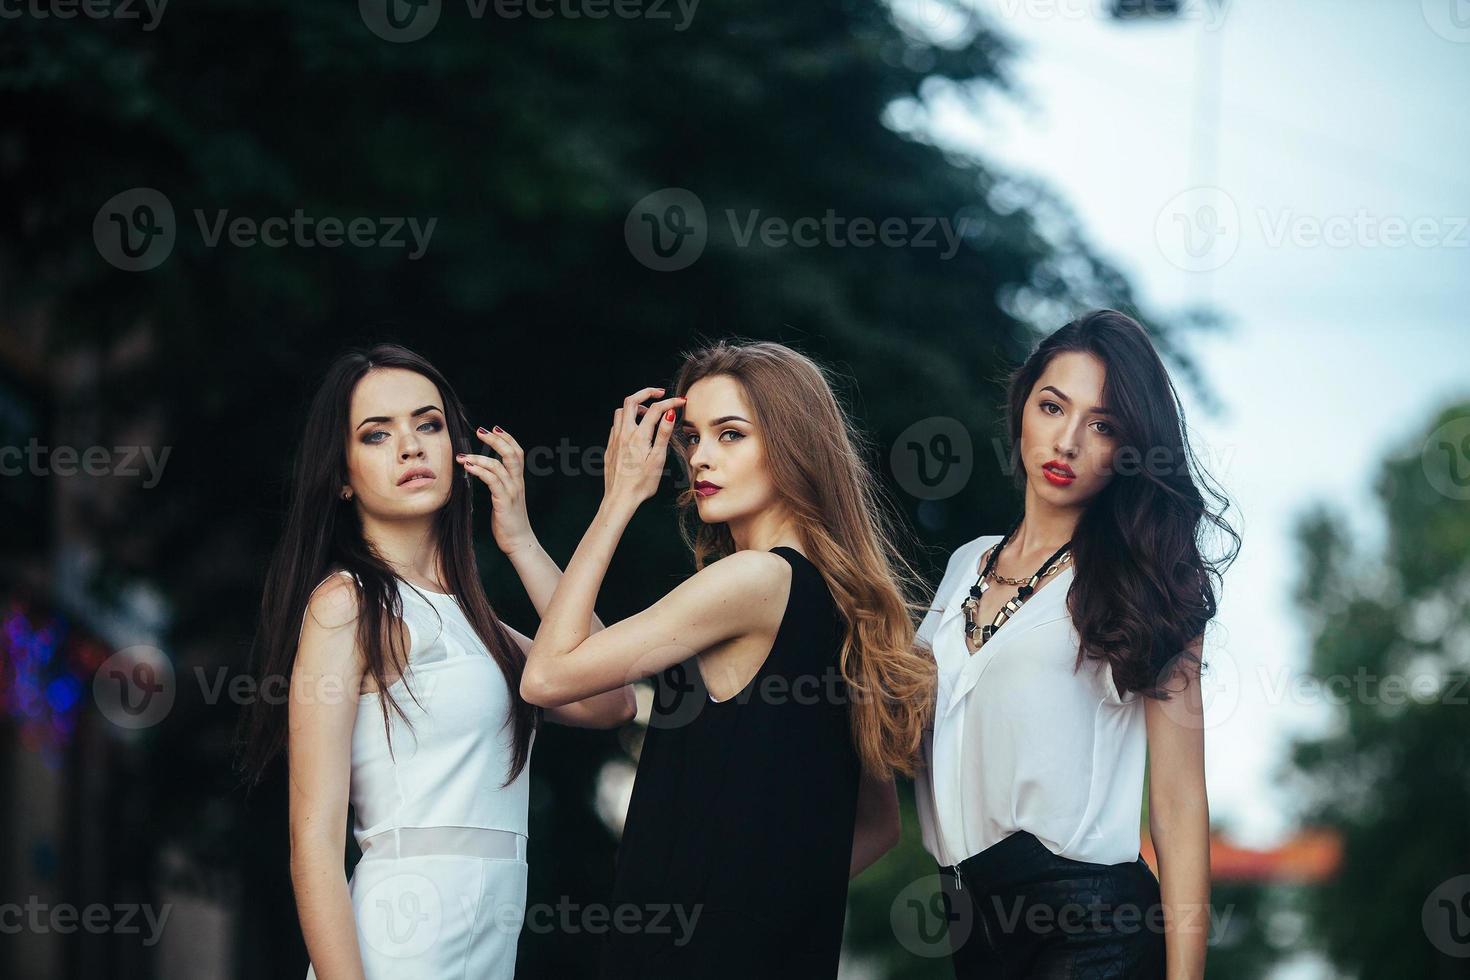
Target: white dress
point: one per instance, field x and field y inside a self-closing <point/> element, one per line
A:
<point x="1019" y="741"/>
<point x="441" y="888"/>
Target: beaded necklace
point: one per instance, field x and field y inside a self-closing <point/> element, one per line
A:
<point x="1059" y="560"/>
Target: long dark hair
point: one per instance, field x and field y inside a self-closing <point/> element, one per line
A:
<point x="324" y="533"/>
<point x="1144" y="587"/>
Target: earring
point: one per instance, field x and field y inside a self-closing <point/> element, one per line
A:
<point x="346" y="494"/>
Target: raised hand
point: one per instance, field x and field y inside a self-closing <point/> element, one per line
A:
<point x="509" y="522"/>
<point x="636" y="451"/>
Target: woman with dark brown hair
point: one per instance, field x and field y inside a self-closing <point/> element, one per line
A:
<point x="1069" y="651"/>
<point x="788" y="688"/>
<point x="404" y="699"/>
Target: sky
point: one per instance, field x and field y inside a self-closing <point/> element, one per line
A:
<point x="1300" y="169"/>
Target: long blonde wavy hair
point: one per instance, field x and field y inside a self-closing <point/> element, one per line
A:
<point x="847" y="529"/>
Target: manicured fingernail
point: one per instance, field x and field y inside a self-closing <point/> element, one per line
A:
<point x="459" y="456"/>
<point x="481" y="430"/>
<point x="499" y="429"/>
<point x="669" y="415"/>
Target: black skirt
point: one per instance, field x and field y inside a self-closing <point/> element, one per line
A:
<point x="1018" y="910"/>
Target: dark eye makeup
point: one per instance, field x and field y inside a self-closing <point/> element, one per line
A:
<point x="1106" y="429"/>
<point x="692" y="438"/>
<point x="430" y="426"/>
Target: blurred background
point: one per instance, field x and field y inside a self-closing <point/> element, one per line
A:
<point x="551" y="199"/>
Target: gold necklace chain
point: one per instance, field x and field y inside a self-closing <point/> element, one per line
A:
<point x="1061" y="563"/>
<point x="1027" y="587"/>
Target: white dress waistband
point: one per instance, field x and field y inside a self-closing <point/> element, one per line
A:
<point x="481" y="842"/>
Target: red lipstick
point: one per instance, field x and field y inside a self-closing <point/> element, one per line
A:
<point x="1058" y="473"/>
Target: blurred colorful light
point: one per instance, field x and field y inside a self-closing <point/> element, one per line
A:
<point x="40" y="689"/>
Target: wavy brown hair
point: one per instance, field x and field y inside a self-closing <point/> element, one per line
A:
<point x="323" y="533"/>
<point x="847" y="527"/>
<point x="1144" y="587"/>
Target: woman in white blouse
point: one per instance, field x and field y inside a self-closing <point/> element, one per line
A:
<point x="1069" y="652"/>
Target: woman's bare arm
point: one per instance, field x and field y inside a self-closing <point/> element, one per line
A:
<point x="1179" y="818"/>
<point x="539" y="574"/>
<point x="740" y="595"/>
<point x="606" y="710"/>
<point x="609" y="709"/>
<point x="322" y="709"/>
<point x="878" y="824"/>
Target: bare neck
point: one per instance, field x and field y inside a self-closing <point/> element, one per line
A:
<point x="764" y="530"/>
<point x="410" y="547"/>
<point x="1044" y="528"/>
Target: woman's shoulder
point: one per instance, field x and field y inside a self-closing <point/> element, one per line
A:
<point x="337" y="586"/>
<point x="740" y="580"/>
<point x="340" y="593"/>
<point x="331" y="605"/>
<point x="982" y="542"/>
<point x="335" y="579"/>
<point x="747" y="574"/>
<point x="967" y="556"/>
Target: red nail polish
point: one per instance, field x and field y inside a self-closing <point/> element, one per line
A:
<point x="669" y="415"/>
<point x="499" y="429"/>
<point x="482" y="431"/>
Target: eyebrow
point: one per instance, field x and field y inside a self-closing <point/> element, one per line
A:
<point x="414" y="414"/>
<point x="722" y="420"/>
<point x="1096" y="410"/>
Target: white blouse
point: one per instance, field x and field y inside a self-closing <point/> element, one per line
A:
<point x="1020" y="742"/>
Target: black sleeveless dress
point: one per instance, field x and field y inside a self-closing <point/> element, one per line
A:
<point x="738" y="840"/>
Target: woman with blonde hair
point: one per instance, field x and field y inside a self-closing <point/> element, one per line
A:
<point x="788" y="689"/>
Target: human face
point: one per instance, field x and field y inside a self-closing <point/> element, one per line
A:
<point x="399" y="456"/>
<point x="727" y="459"/>
<point x="1067" y="436"/>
